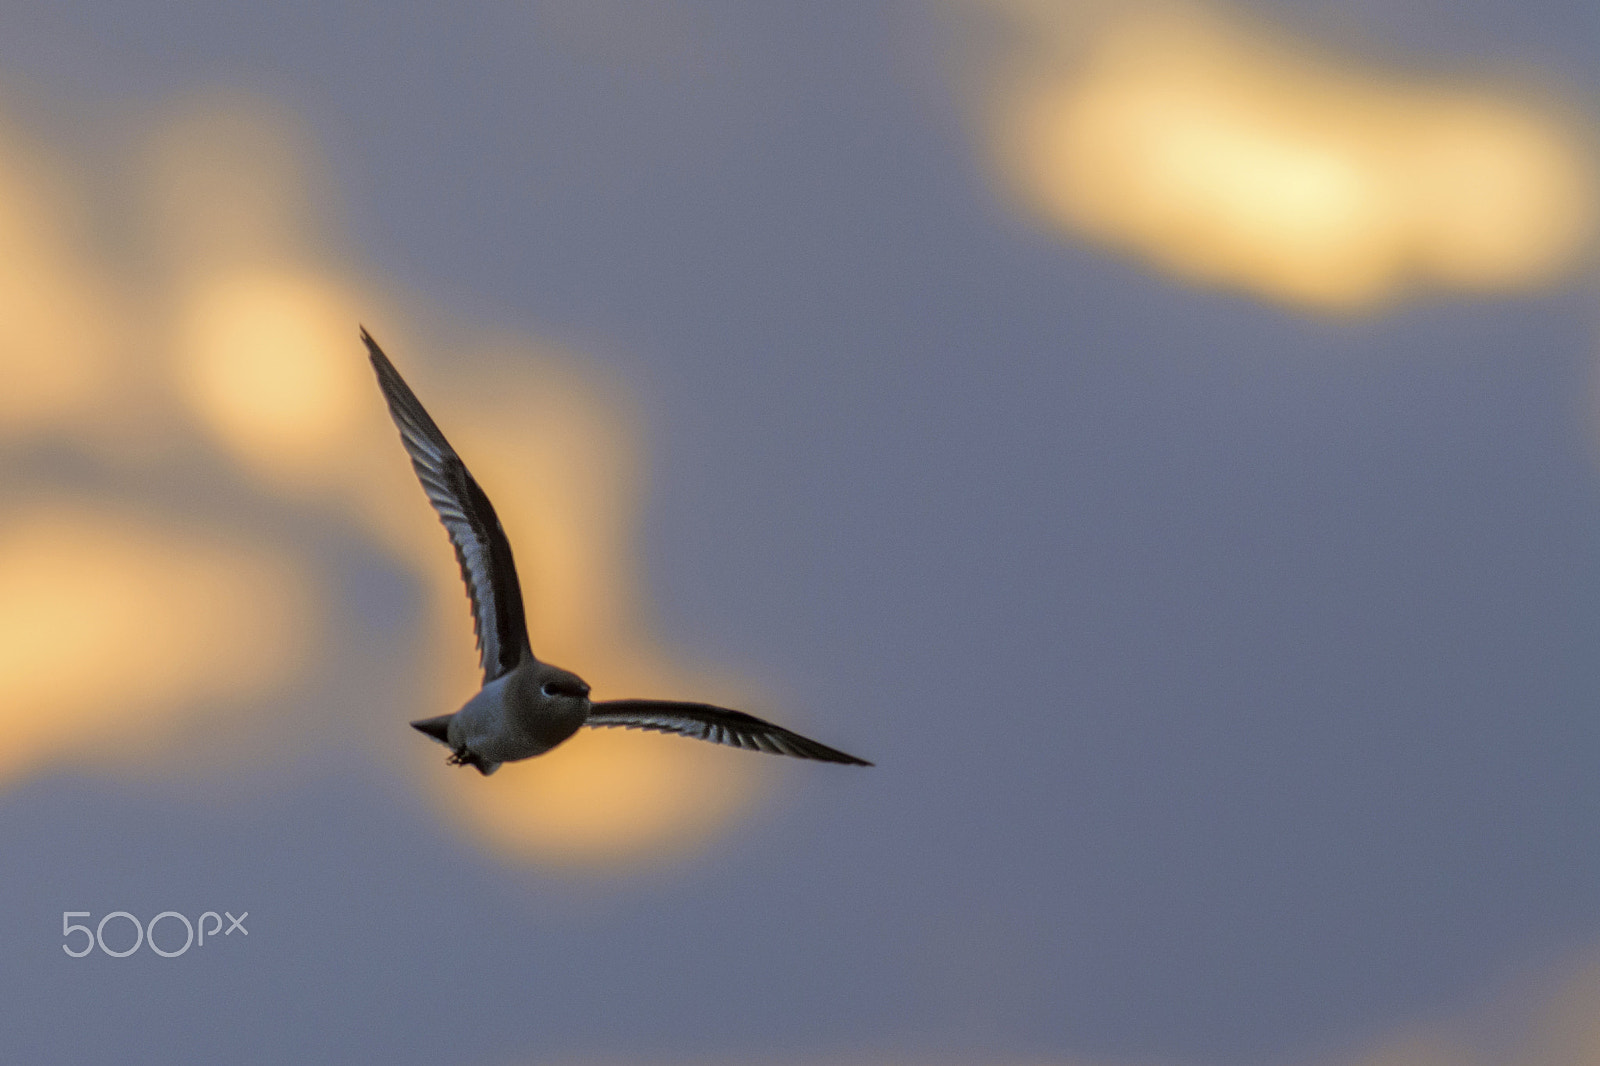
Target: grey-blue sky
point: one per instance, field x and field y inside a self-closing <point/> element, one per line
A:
<point x="1230" y="671"/>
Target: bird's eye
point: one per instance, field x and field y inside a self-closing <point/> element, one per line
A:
<point x="558" y="687"/>
<point x="551" y="688"/>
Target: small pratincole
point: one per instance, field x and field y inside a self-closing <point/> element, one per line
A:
<point x="526" y="707"/>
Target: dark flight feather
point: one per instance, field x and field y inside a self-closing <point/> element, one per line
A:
<point x="482" y="550"/>
<point x="716" y="724"/>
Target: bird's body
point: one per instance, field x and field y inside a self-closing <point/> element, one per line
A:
<point x="526" y="707"/>
<point x="513" y="717"/>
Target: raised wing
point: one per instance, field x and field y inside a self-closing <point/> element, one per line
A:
<point x="716" y="724"/>
<point x="469" y="518"/>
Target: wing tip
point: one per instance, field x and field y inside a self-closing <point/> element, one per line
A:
<point x="834" y="755"/>
<point x="374" y="352"/>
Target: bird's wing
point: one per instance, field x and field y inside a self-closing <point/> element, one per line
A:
<point x="469" y="518"/>
<point x="716" y="724"/>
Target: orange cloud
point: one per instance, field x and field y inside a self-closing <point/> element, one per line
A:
<point x="263" y="359"/>
<point x="114" y="627"/>
<point x="61" y="318"/>
<point x="1232" y="156"/>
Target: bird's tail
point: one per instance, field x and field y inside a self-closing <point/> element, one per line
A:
<point x="437" y="728"/>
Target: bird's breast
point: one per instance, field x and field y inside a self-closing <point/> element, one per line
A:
<point x="546" y="722"/>
<point x="507" y="721"/>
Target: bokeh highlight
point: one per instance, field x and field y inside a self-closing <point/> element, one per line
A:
<point x="1231" y="155"/>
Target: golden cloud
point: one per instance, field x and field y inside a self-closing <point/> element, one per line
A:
<point x="242" y="345"/>
<point x="264" y="360"/>
<point x="114" y="627"/>
<point x="60" y="320"/>
<point x="1233" y="156"/>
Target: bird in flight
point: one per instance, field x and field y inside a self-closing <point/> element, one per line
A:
<point x="526" y="707"/>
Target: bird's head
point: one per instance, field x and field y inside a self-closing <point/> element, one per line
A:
<point x="558" y="684"/>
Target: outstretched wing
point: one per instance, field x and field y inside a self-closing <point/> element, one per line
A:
<point x="716" y="724"/>
<point x="469" y="518"/>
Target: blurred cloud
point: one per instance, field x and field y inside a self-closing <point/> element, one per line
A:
<point x="264" y="361"/>
<point x="1231" y="155"/>
<point x="60" y="317"/>
<point x="602" y="799"/>
<point x="113" y="626"/>
<point x="215" y="323"/>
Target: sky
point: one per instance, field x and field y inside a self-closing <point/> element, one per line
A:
<point x="1161" y="436"/>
